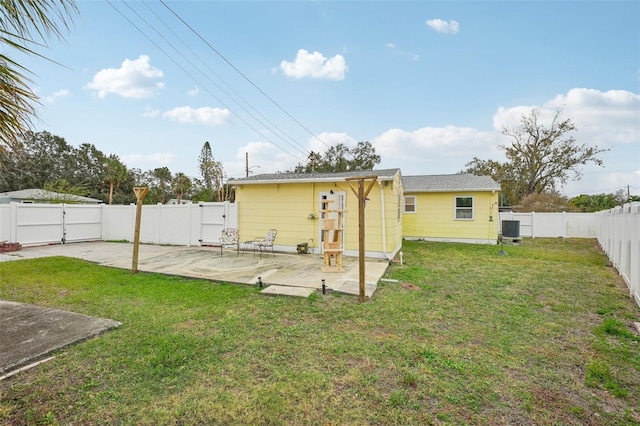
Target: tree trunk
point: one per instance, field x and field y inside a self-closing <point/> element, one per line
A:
<point x="110" y="193"/>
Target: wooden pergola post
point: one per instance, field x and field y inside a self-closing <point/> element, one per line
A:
<point x="140" y="194"/>
<point x="361" y="194"/>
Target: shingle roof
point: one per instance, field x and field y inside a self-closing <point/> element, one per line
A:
<point x="41" y="194"/>
<point x="446" y="183"/>
<point x="386" y="174"/>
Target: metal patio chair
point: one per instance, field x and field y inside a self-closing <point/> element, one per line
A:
<point x="230" y="237"/>
<point x="266" y="244"/>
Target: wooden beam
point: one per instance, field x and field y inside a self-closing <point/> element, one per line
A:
<point x="361" y="194"/>
<point x="140" y="194"/>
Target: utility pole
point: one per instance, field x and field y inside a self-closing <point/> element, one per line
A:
<point x="246" y="161"/>
<point x="312" y="159"/>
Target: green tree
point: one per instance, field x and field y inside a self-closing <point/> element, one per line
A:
<point x="212" y="176"/>
<point x="501" y="173"/>
<point x="364" y="157"/>
<point x="89" y="170"/>
<point x="341" y="158"/>
<point x="116" y="173"/>
<point x="598" y="202"/>
<point x="539" y="157"/>
<point x="206" y="164"/>
<point x="65" y="189"/>
<point x="546" y="202"/>
<point x="181" y="185"/>
<point x="45" y="158"/>
<point x="164" y="177"/>
<point x="124" y="193"/>
<point x="24" y="26"/>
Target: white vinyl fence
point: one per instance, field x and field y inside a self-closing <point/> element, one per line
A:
<point x="618" y="232"/>
<point x="552" y="225"/>
<point x="184" y="224"/>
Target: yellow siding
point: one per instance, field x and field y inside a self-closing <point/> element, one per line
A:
<point x="283" y="207"/>
<point x="393" y="214"/>
<point x="286" y="207"/>
<point x="435" y="217"/>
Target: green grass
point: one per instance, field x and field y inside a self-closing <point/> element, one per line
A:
<point x="539" y="337"/>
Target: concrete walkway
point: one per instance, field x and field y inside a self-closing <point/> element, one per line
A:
<point x="29" y="332"/>
<point x="288" y="270"/>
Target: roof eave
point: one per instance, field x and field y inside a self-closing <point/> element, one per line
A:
<point x="453" y="190"/>
<point x="303" y="180"/>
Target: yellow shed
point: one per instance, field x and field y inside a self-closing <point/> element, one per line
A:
<point x="295" y="204"/>
<point x="455" y="208"/>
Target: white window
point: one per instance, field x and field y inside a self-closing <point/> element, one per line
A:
<point x="464" y="208"/>
<point x="410" y="204"/>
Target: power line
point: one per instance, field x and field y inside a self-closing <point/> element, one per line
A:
<point x="196" y="80"/>
<point x="208" y="78"/>
<point x="600" y="191"/>
<point x="242" y="74"/>
<point x="301" y="148"/>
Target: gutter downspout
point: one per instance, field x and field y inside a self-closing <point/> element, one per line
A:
<point x="384" y="222"/>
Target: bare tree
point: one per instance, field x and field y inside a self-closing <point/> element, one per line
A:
<point x="539" y="157"/>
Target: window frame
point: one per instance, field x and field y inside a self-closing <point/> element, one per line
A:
<point x="456" y="208"/>
<point x="415" y="204"/>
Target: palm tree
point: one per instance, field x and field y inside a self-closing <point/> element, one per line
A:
<point x="164" y="176"/>
<point x="23" y="26"/>
<point x="181" y="185"/>
<point x="116" y="173"/>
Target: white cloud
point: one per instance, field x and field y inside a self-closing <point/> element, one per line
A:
<point x="151" y="112"/>
<point x="148" y="161"/>
<point x="451" y="27"/>
<point x="322" y="142"/>
<point x="264" y="157"/>
<point x="204" y="115"/>
<point x="602" y="118"/>
<point x="613" y="116"/>
<point x="194" y="91"/>
<point x="608" y="119"/>
<point x="315" y="65"/>
<point x="413" y="56"/>
<point x="440" y="146"/>
<point x="63" y="93"/>
<point x="134" y="79"/>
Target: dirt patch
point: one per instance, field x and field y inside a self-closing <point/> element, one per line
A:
<point x="410" y="286"/>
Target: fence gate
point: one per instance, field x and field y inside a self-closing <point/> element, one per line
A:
<point x="82" y="222"/>
<point x="37" y="223"/>
<point x="213" y="219"/>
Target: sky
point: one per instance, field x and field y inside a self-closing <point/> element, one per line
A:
<point x="430" y="84"/>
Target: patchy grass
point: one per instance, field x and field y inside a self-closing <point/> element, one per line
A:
<point x="541" y="336"/>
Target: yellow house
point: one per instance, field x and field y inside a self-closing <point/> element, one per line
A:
<point x="455" y="208"/>
<point x="295" y="204"/>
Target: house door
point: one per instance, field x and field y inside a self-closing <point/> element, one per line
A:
<point x="331" y="206"/>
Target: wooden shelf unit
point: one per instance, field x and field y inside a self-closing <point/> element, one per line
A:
<point x="332" y="235"/>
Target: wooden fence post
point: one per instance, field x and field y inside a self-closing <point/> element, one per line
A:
<point x="361" y="194"/>
<point x="140" y="194"/>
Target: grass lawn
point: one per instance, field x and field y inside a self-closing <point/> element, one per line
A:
<point x="542" y="336"/>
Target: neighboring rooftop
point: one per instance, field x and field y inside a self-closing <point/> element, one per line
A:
<point x="447" y="183"/>
<point x="42" y="196"/>
<point x="387" y="174"/>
